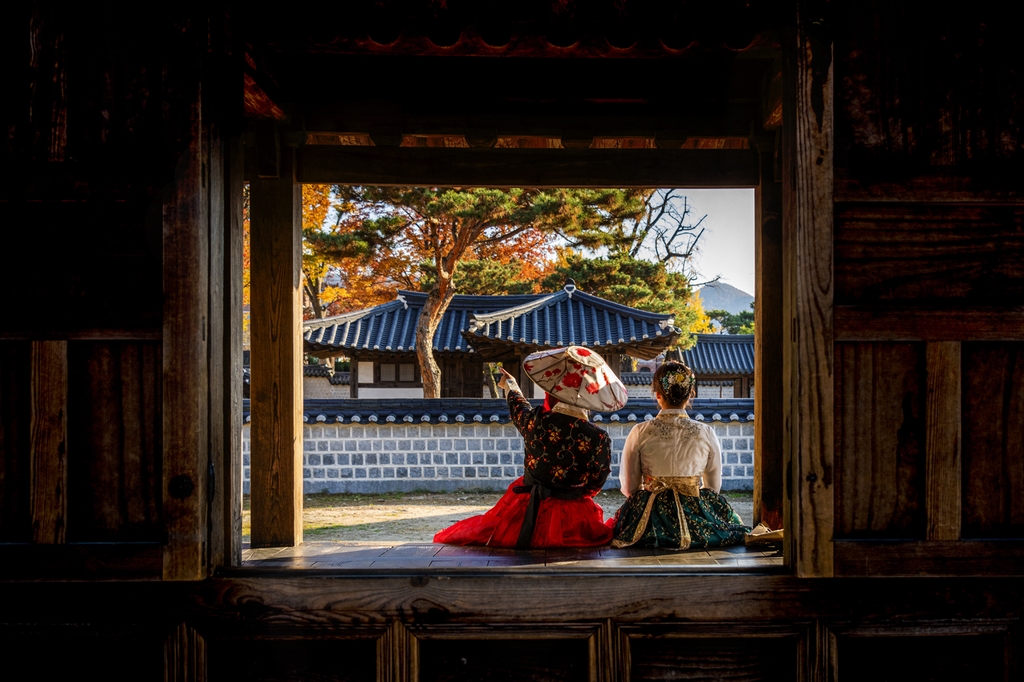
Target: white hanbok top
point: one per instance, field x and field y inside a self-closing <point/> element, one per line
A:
<point x="671" y="444"/>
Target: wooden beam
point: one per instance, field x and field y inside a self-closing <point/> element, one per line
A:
<point x="915" y="323"/>
<point x="276" y="339"/>
<point x="958" y="558"/>
<point x="942" y="441"/>
<point x="185" y="372"/>
<point x="771" y="96"/>
<point x="991" y="183"/>
<point x="808" y="299"/>
<point x="48" y="441"/>
<point x="528" y="167"/>
<point x="122" y="561"/>
<point x="768" y="316"/>
<point x="562" y="120"/>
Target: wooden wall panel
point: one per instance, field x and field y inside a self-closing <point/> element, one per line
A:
<point x="461" y="379"/>
<point x="935" y="91"/>
<point x="549" y="660"/>
<point x="929" y="254"/>
<point x="49" y="441"/>
<point x="114" y="445"/>
<point x="15" y="402"/>
<point x="993" y="440"/>
<point x="704" y="658"/>
<point x="921" y="656"/>
<point x="880" y="440"/>
<point x="315" y="658"/>
<point x="942" y="442"/>
<point x="65" y="651"/>
<point x="102" y="264"/>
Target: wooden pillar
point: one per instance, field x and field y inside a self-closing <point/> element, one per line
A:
<point x="768" y="419"/>
<point x="808" y="348"/>
<point x="226" y="173"/>
<point x="353" y="376"/>
<point x="276" y="384"/>
<point x="184" y="356"/>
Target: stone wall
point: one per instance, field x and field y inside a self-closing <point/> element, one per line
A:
<point x="437" y="456"/>
<point x="322" y="388"/>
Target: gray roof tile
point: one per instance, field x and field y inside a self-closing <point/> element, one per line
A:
<point x="721" y="354"/>
<point x="496" y="323"/>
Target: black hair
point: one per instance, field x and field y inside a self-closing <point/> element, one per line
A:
<point x="675" y="382"/>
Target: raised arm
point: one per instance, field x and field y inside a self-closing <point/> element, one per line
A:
<point x="713" y="469"/>
<point x="519" y="408"/>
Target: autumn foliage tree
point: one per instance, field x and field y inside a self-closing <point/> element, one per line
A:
<point x="430" y="233"/>
<point x="638" y="283"/>
<point x="649" y="267"/>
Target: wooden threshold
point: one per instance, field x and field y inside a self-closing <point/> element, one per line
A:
<point x="339" y="557"/>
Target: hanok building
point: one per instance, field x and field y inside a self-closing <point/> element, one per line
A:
<point x="475" y="330"/>
<point x="722" y="363"/>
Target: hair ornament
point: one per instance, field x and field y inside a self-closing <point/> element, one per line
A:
<point x="683" y="377"/>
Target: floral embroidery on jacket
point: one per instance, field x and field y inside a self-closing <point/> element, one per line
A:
<point x="560" y="448"/>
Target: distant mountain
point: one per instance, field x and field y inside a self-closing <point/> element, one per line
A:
<point x="722" y="296"/>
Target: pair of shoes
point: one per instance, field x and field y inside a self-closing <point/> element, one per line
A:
<point x="763" y="534"/>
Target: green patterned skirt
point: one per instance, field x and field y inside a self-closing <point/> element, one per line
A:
<point x="671" y="520"/>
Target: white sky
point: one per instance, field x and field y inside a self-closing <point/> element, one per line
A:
<point x="727" y="246"/>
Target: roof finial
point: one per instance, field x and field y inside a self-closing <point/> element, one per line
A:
<point x="570" y="286"/>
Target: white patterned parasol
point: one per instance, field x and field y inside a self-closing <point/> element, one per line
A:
<point x="577" y="376"/>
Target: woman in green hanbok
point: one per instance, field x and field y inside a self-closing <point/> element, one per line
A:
<point x="671" y="472"/>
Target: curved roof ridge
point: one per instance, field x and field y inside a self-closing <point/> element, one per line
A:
<point x="354" y="314"/>
<point x="513" y="311"/>
<point x="599" y="302"/>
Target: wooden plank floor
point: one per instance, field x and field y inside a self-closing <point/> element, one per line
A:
<point x="341" y="557"/>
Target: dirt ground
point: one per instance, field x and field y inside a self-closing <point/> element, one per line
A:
<point x="416" y="516"/>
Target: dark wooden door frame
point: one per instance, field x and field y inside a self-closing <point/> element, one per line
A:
<point x="575" y="168"/>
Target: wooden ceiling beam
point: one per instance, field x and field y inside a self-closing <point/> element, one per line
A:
<point x="730" y="121"/>
<point x="481" y="167"/>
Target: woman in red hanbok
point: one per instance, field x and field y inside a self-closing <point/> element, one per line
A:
<point x="566" y="463"/>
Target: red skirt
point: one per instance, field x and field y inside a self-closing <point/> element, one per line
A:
<point x="560" y="523"/>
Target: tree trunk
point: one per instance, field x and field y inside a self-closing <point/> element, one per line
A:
<point x="311" y="288"/>
<point x="430" y="317"/>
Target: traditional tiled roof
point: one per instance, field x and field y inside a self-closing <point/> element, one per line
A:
<point x="316" y="371"/>
<point x="391" y="327"/>
<point x="572" y="317"/>
<point x="645" y="379"/>
<point x="456" y="410"/>
<point x="494" y="326"/>
<point x="335" y="378"/>
<point x="721" y="354"/>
